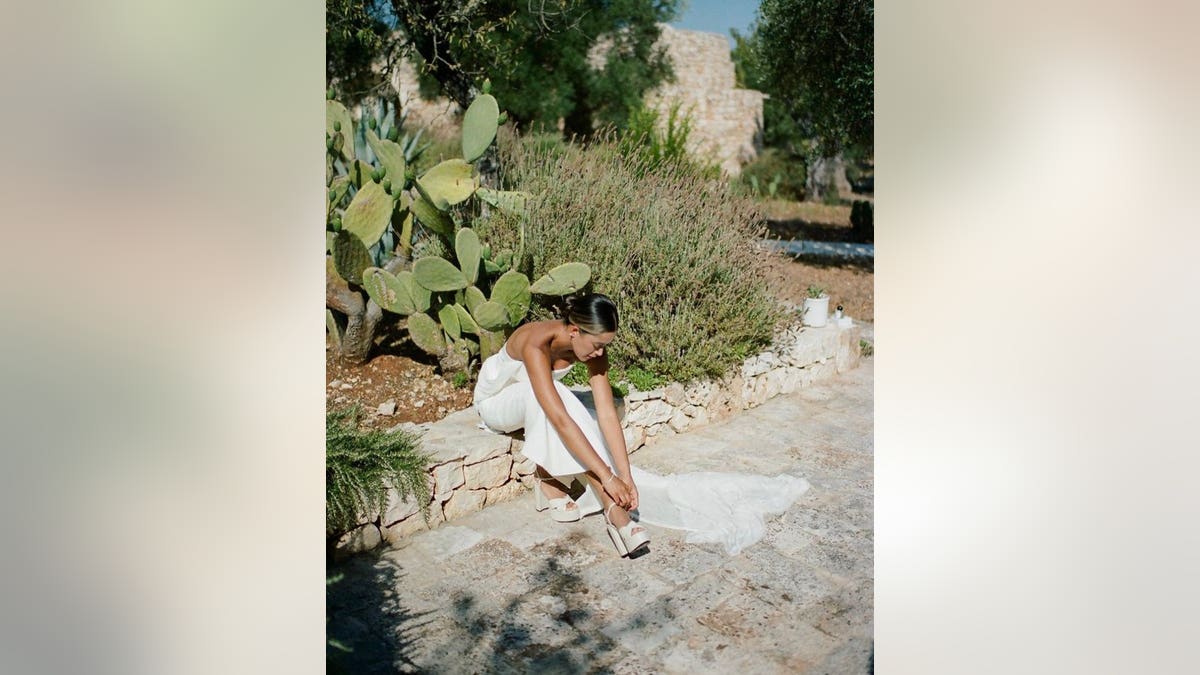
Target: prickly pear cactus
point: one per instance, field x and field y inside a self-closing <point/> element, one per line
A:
<point x="467" y="248"/>
<point x="479" y="126"/>
<point x="512" y="292"/>
<point x="350" y="257"/>
<point x="369" y="213"/>
<point x="563" y="280"/>
<point x="426" y="334"/>
<point x="438" y="274"/>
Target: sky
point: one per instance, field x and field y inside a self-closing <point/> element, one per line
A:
<point x="717" y="16"/>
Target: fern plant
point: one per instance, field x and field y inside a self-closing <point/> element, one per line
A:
<point x="361" y="466"/>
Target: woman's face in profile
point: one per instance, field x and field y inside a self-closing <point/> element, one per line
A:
<point x="587" y="346"/>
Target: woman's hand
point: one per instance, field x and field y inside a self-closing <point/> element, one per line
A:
<point x="633" y="503"/>
<point x="621" y="492"/>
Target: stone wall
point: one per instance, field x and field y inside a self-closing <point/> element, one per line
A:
<point x="474" y="468"/>
<point x="727" y="122"/>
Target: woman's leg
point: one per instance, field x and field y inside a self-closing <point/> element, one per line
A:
<point x="553" y="488"/>
<point x="617" y="516"/>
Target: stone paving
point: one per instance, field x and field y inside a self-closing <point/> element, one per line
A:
<point x="507" y="590"/>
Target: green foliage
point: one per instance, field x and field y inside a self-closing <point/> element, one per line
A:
<point x="776" y="175"/>
<point x="862" y="221"/>
<point x="357" y="36"/>
<point x="671" y="248"/>
<point x="643" y="380"/>
<point x="653" y="144"/>
<point x="784" y="126"/>
<point x="538" y="53"/>
<point x="819" y="57"/>
<point x="815" y="292"/>
<point x="868" y="349"/>
<point x="361" y="466"/>
<point x="460" y="380"/>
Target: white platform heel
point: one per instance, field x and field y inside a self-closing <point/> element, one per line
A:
<point x="624" y="538"/>
<point x="559" y="506"/>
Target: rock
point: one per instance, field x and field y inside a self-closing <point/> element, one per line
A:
<point x="849" y="352"/>
<point x="673" y="394"/>
<point x="397" y="509"/>
<point x="395" y="532"/>
<point x="679" y="421"/>
<point x="463" y="501"/>
<point x="649" y="413"/>
<point x="335" y="384"/>
<point x="447" y="477"/>
<point x="700" y="393"/>
<point x="488" y="473"/>
<point x="635" y="395"/>
<point x="505" y="492"/>
<point x="635" y="437"/>
<point x="387" y="408"/>
<point x="458" y="436"/>
<point x="345" y="386"/>
<point x="362" y="538"/>
<point x="419" y="404"/>
<point x="522" y="465"/>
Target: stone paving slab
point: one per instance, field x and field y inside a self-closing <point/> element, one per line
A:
<point x="507" y="590"/>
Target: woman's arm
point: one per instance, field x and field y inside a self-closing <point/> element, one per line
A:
<point x="537" y="363"/>
<point x="610" y="423"/>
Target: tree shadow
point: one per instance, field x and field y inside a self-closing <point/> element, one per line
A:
<point x="859" y="263"/>
<point x="512" y="630"/>
<point x="365" y="617"/>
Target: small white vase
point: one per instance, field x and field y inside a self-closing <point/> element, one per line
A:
<point x="816" y="311"/>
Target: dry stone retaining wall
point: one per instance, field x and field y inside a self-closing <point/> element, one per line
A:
<point x="475" y="468"/>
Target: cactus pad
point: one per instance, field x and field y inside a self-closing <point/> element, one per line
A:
<point x="467" y="249"/>
<point x="473" y="298"/>
<point x="563" y="280"/>
<point x="390" y="155"/>
<point x="465" y="322"/>
<point x="432" y="218"/>
<point x="512" y="291"/>
<point x="491" y="315"/>
<point x="421" y="297"/>
<point x="508" y="201"/>
<point x="426" y="334"/>
<point x="336" y="113"/>
<point x="369" y="213"/>
<point x="479" y="126"/>
<point x="449" y="320"/>
<point x="350" y="257"/>
<point x="437" y="274"/>
<point x="448" y="183"/>
<point x="387" y="291"/>
<point x="490" y="342"/>
<point x="338" y="187"/>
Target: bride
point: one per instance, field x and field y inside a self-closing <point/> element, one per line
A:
<point x="518" y="388"/>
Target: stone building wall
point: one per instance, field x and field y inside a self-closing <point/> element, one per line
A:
<point x="727" y="122"/>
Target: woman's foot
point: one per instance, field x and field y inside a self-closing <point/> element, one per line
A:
<point x="629" y="538"/>
<point x="552" y="494"/>
<point x="619" y="517"/>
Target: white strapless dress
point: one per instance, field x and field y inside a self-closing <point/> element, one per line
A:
<point x="729" y="509"/>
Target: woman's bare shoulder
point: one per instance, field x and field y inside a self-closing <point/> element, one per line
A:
<point x="536" y="333"/>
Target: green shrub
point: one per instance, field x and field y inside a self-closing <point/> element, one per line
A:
<point x="360" y="466"/>
<point x="653" y="144"/>
<point x="775" y="168"/>
<point x="670" y="247"/>
<point x="862" y="220"/>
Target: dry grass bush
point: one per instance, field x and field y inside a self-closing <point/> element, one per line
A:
<point x="675" y="251"/>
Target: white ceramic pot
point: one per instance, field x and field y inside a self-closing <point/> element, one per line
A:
<point x="816" y="311"/>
